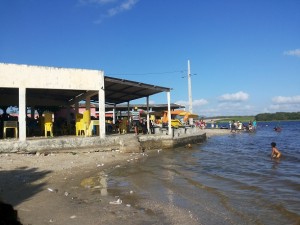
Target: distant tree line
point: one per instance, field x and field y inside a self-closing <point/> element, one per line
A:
<point x="278" y="116"/>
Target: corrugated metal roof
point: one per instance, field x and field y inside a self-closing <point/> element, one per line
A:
<point x="116" y="91"/>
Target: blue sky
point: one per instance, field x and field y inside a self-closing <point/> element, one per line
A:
<point x="244" y="54"/>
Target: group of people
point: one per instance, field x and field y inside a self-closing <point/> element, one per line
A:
<point x="137" y="122"/>
<point x="237" y="125"/>
<point x="201" y="124"/>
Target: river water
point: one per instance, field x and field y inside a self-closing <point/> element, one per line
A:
<point x="229" y="179"/>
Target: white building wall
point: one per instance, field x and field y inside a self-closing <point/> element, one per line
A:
<point x="15" y="76"/>
<point x="27" y="76"/>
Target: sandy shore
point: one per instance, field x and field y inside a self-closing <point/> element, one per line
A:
<point x="62" y="188"/>
<point x="51" y="188"/>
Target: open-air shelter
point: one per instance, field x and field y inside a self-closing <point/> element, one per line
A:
<point x="29" y="86"/>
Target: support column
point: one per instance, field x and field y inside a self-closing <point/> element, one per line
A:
<point x="114" y="114"/>
<point x="128" y="110"/>
<point x="148" y="121"/>
<point x="32" y="112"/>
<point x="76" y="108"/>
<point x="22" y="114"/>
<point x="101" y="97"/>
<point x="169" y="113"/>
<point x="88" y="103"/>
<point x="128" y="118"/>
<point x="69" y="115"/>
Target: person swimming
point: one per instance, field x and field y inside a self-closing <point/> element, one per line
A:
<point x="188" y="146"/>
<point x="277" y="129"/>
<point x="275" y="152"/>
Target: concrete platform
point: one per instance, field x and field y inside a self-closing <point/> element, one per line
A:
<point x="125" y="143"/>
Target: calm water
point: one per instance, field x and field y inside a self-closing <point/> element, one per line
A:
<point x="229" y="179"/>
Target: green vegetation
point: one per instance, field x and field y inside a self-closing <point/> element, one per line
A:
<point x="278" y="116"/>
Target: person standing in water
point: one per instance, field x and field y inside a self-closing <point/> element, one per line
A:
<point x="254" y="124"/>
<point x="275" y="152"/>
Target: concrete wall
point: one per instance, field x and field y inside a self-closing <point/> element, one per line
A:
<point x="167" y="142"/>
<point x="15" y="76"/>
<point x="125" y="143"/>
<point x="71" y="144"/>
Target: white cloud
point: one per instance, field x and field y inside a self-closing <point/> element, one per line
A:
<point x="286" y="100"/>
<point x="152" y="102"/>
<point x="235" y="104"/>
<point x="195" y="103"/>
<point x="98" y="2"/>
<point x="200" y="102"/>
<point x="284" y="108"/>
<point x="226" y="109"/>
<point x="198" y="106"/>
<point x="235" y="97"/>
<point x="206" y="112"/>
<point x="284" y="104"/>
<point x="113" y="7"/>
<point x="295" y="52"/>
<point x="125" y="6"/>
<point x="235" y="108"/>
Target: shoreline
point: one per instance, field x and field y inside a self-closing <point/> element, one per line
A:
<point x="56" y="187"/>
<point x="55" y="181"/>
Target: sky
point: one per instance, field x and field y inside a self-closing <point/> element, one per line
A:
<point x="244" y="54"/>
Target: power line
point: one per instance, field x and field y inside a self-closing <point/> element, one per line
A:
<point x="149" y="73"/>
<point x="194" y="74"/>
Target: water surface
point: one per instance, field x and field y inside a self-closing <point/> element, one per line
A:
<point x="229" y="179"/>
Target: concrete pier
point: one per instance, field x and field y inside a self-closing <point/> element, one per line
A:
<point x="167" y="142"/>
<point x="124" y="143"/>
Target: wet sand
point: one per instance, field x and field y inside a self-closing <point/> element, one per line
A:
<point x="71" y="188"/>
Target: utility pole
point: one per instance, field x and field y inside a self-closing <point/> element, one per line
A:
<point x="190" y="88"/>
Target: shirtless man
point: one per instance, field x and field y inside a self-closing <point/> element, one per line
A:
<point x="135" y="117"/>
<point x="275" y="152"/>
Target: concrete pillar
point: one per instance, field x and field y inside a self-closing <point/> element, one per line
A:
<point x="128" y="109"/>
<point x="88" y="103"/>
<point x="76" y="108"/>
<point x="101" y="97"/>
<point x="32" y="112"/>
<point x="169" y="113"/>
<point x="128" y="117"/>
<point x="22" y="114"/>
<point x="114" y="114"/>
<point x="69" y="115"/>
<point x="148" y="121"/>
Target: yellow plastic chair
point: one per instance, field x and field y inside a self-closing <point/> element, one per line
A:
<point x="78" y="126"/>
<point x="48" y="124"/>
<point x="123" y="126"/>
<point x="85" y="122"/>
